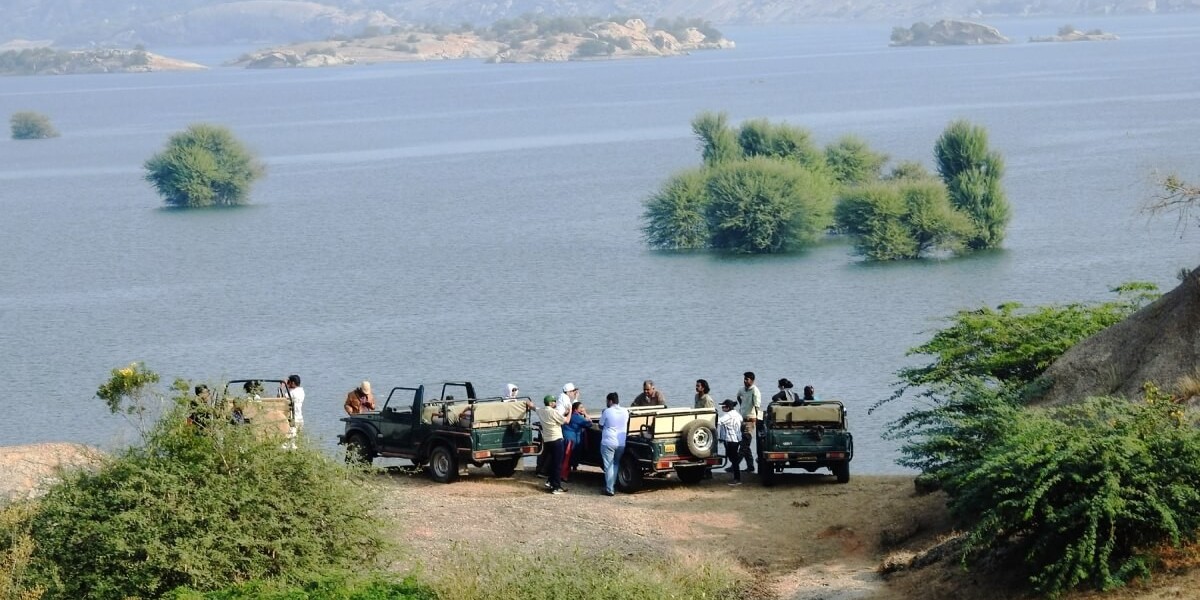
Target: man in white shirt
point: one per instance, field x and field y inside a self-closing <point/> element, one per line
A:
<point x="569" y="396"/>
<point x="750" y="406"/>
<point x="297" y="394"/>
<point x="729" y="431"/>
<point x="614" y="426"/>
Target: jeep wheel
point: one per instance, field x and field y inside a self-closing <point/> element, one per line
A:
<point x="701" y="438"/>
<point x="358" y="451"/>
<point x="766" y="473"/>
<point x="690" y="475"/>
<point x="504" y="467"/>
<point x="841" y="471"/>
<point x="629" y="475"/>
<point x="443" y="466"/>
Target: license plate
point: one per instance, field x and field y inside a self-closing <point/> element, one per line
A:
<point x="668" y="448"/>
<point x="805" y="458"/>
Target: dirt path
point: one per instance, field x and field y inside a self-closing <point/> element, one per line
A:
<point x="807" y="538"/>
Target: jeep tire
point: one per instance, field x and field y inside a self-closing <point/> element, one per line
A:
<point x="443" y="465"/>
<point x="841" y="470"/>
<point x="504" y="467"/>
<point x="690" y="475"/>
<point x="701" y="438"/>
<point x="358" y="450"/>
<point x="629" y="475"/>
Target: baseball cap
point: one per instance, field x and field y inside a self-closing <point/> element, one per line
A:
<point x="570" y="387"/>
<point x="549" y="399"/>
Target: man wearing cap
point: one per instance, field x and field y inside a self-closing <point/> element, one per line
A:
<point x="729" y="431"/>
<point x="749" y="401"/>
<point x="569" y="396"/>
<point x="650" y="396"/>
<point x="552" y="443"/>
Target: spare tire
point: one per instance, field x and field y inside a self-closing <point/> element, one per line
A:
<point x="701" y="438"/>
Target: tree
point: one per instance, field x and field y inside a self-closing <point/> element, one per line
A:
<point x="27" y="125"/>
<point x="852" y="161"/>
<point x="759" y="137"/>
<point x="675" y="216"/>
<point x="1177" y="196"/>
<point x="718" y="142"/>
<point x="972" y="175"/>
<point x="203" y="166"/>
<point x="763" y="205"/>
<point x="902" y="219"/>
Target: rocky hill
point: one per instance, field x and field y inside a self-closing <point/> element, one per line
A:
<point x="48" y="61"/>
<point x="211" y="22"/>
<point x="1159" y="343"/>
<point x="947" y="33"/>
<point x="600" y="40"/>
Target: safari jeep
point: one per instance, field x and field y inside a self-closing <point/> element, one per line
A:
<point x="807" y="436"/>
<point x="444" y="434"/>
<point x="662" y="441"/>
<point x="264" y="404"/>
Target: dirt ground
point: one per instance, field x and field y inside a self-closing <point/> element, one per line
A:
<point x="806" y="538"/>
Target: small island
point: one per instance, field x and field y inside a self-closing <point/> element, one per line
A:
<point x="947" y="33"/>
<point x="1068" y="33"/>
<point x="44" y="60"/>
<point x="521" y="40"/>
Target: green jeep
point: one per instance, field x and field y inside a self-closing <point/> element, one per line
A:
<point x="808" y="436"/>
<point x="444" y="434"/>
<point x="661" y="441"/>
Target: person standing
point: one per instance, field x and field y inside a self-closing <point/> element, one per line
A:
<point x="750" y="406"/>
<point x="573" y="437"/>
<point x="297" y="395"/>
<point x="650" y="396"/>
<point x="703" y="400"/>
<point x="729" y="427"/>
<point x="569" y="396"/>
<point x="614" y="426"/>
<point x="552" y="443"/>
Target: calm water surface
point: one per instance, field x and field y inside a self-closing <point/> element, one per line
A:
<point x="424" y="222"/>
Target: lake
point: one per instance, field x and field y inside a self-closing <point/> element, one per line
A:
<point x="445" y="221"/>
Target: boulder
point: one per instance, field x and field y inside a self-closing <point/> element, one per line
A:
<point x="1159" y="343"/>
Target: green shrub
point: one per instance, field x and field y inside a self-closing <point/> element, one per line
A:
<point x="972" y="175"/>
<point x="759" y="137"/>
<point x="199" y="507"/>
<point x="16" y="551"/>
<point x="591" y="48"/>
<point x="203" y="166"/>
<point x="718" y="142"/>
<point x="27" y="125"/>
<point x="1084" y="491"/>
<point x="331" y="587"/>
<point x="901" y="219"/>
<point x="492" y="574"/>
<point x="853" y="162"/>
<point x="762" y="205"/>
<point x="675" y="215"/>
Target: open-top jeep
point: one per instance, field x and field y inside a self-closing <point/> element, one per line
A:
<point x="443" y="433"/>
<point x="810" y="436"/>
<point x="265" y="404"/>
<point x="662" y="441"/>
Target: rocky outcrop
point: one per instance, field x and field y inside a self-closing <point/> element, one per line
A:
<point x="49" y="61"/>
<point x="1159" y="343"/>
<point x="947" y="32"/>
<point x="604" y="40"/>
<point x="1075" y="35"/>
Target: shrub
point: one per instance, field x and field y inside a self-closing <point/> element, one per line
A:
<point x="16" y="551"/>
<point x="592" y="47"/>
<point x="27" y="125"/>
<point x="761" y="205"/>
<point x="202" y="508"/>
<point x="675" y="215"/>
<point x="853" y="162"/>
<point x="203" y="166"/>
<point x="718" y="142"/>
<point x="1083" y="491"/>
<point x="489" y="574"/>
<point x="901" y="219"/>
<point x="759" y="137"/>
<point x="330" y="587"/>
<point x="972" y="175"/>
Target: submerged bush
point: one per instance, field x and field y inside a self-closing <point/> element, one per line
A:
<point x="205" y="165"/>
<point x="28" y="125"/>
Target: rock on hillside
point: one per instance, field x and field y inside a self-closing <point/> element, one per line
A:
<point x="1159" y="343"/>
<point x="947" y="33"/>
<point x="1075" y="35"/>
<point x="601" y="41"/>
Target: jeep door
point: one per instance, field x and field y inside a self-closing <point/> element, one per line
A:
<point x="396" y="420"/>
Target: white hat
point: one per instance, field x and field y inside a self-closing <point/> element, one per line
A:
<point x="570" y="387"/>
<point x="366" y="387"/>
